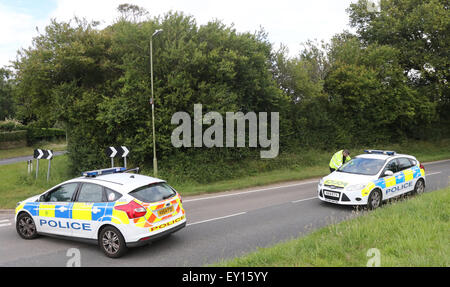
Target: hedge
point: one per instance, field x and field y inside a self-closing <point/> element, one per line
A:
<point x="38" y="134"/>
<point x="13" y="136"/>
<point x="32" y="135"/>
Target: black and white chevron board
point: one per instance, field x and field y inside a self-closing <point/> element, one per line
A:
<point x="41" y="154"/>
<point x="121" y="151"/>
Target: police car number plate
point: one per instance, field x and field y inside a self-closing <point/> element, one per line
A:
<point x="165" y="211"/>
<point x="333" y="194"/>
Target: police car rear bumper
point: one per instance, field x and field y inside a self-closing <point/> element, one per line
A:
<point x="146" y="240"/>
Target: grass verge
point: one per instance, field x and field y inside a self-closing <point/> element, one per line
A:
<point x="410" y="233"/>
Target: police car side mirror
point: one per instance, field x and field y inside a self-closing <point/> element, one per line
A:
<point x="388" y="173"/>
<point x="42" y="198"/>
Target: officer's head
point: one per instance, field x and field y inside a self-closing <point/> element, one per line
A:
<point x="346" y="152"/>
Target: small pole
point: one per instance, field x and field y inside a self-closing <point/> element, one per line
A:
<point x="125" y="161"/>
<point x="112" y="162"/>
<point x="48" y="171"/>
<point x="37" y="168"/>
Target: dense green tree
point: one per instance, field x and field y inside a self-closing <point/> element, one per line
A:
<point x="419" y="30"/>
<point x="6" y="97"/>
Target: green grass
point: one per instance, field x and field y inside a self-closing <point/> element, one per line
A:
<point x="411" y="233"/>
<point x="15" y="185"/>
<point x="28" y="151"/>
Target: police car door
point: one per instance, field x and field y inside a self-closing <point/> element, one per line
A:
<point x="408" y="181"/>
<point x="390" y="182"/>
<point x="54" y="215"/>
<point x="87" y="210"/>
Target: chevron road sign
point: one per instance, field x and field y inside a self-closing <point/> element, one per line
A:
<point x="121" y="151"/>
<point x="41" y="154"/>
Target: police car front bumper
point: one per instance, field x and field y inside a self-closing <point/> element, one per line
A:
<point x="341" y="196"/>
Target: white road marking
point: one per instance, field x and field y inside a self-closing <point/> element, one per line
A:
<point x="433" y="173"/>
<point x="5" y="224"/>
<point x="217" y="218"/>
<point x="246" y="192"/>
<point x="300" y="200"/>
<point x="4" y="220"/>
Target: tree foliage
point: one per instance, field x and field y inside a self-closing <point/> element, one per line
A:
<point x="386" y="83"/>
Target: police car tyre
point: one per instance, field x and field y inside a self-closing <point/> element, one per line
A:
<point x="375" y="199"/>
<point x="419" y="188"/>
<point x="25" y="226"/>
<point x="112" y="242"/>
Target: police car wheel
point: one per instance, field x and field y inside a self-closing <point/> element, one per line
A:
<point x="112" y="242"/>
<point x="374" y="200"/>
<point x="419" y="188"/>
<point x="25" y="226"/>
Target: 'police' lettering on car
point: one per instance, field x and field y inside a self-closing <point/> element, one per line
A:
<point x="66" y="225"/>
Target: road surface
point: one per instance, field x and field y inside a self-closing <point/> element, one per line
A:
<point x="25" y="158"/>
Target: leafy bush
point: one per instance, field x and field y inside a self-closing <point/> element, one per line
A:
<point x="13" y="136"/>
<point x="10" y="125"/>
<point x="34" y="135"/>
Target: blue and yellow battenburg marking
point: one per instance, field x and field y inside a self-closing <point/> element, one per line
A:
<point x="386" y="182"/>
<point x="103" y="211"/>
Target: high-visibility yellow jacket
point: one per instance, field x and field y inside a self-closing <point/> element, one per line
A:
<point x="336" y="160"/>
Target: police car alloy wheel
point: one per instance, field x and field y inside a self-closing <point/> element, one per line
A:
<point x="374" y="199"/>
<point x="419" y="188"/>
<point x="25" y="226"/>
<point x="112" y="242"/>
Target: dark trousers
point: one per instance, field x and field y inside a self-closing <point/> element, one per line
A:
<point x="332" y="169"/>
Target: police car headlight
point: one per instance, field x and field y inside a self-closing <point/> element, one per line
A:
<point x="321" y="182"/>
<point x="355" y="187"/>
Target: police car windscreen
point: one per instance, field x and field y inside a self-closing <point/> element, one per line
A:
<point x="153" y="192"/>
<point x="365" y="166"/>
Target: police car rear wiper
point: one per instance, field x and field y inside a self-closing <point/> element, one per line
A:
<point x="168" y="196"/>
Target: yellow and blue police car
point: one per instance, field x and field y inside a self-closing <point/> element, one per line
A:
<point x="371" y="178"/>
<point x="112" y="207"/>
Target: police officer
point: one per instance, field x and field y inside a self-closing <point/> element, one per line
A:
<point x="339" y="159"/>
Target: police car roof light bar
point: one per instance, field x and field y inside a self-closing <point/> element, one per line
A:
<point x="374" y="151"/>
<point x="94" y="173"/>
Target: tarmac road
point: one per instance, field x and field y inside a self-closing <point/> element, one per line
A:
<point x="220" y="226"/>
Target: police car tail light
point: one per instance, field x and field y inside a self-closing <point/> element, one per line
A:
<point x="133" y="209"/>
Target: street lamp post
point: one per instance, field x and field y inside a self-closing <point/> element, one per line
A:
<point x="155" y="162"/>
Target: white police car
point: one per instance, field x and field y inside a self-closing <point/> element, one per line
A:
<point x="111" y="207"/>
<point x="371" y="178"/>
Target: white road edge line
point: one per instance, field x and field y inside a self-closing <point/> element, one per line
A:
<point x="250" y="191"/>
<point x="4" y="220"/>
<point x="300" y="200"/>
<point x="6" y="224"/>
<point x="433" y="173"/>
<point x="217" y="218"/>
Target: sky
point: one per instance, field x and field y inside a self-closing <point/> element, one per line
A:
<point x="287" y="22"/>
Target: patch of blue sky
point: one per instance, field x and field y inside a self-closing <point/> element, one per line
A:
<point x="38" y="9"/>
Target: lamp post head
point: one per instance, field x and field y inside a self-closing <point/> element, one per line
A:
<point x="157" y="32"/>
